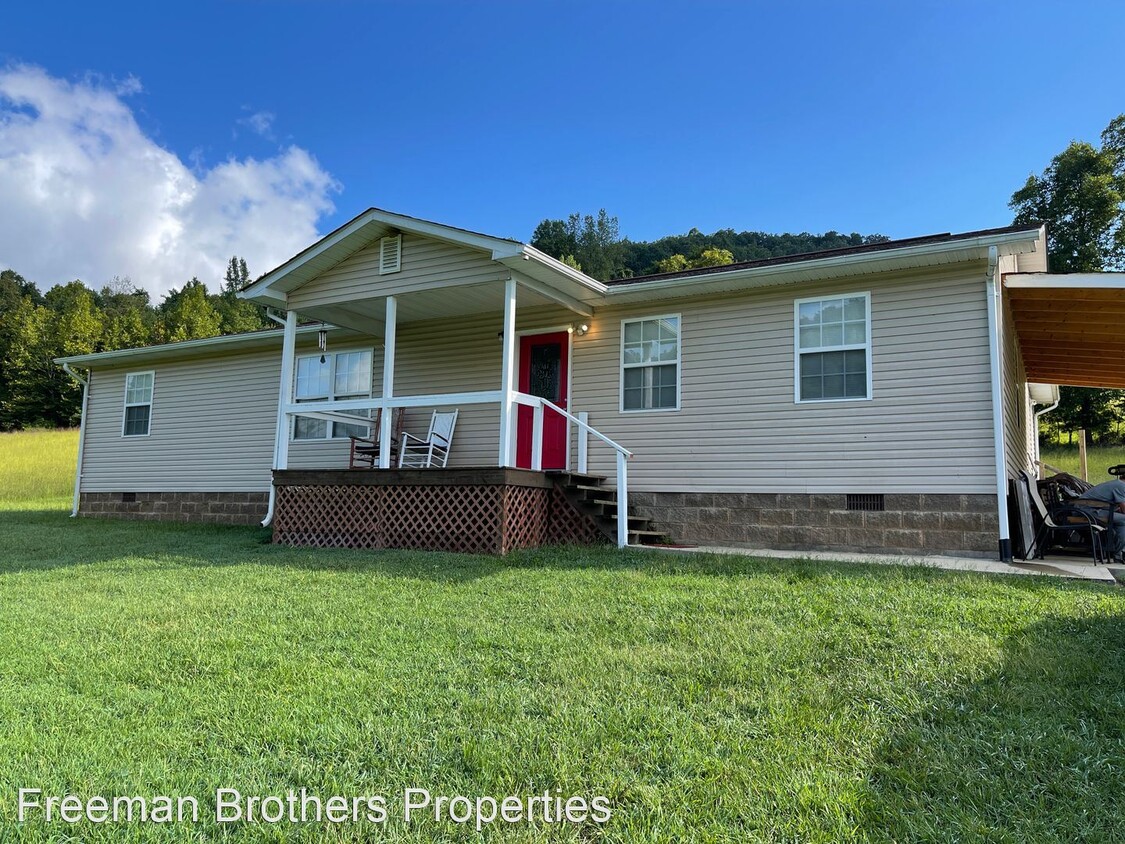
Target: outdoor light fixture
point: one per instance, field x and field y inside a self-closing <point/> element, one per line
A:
<point x="499" y="336"/>
<point x="580" y="329"/>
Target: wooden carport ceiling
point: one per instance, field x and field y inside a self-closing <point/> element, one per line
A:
<point x="1070" y="332"/>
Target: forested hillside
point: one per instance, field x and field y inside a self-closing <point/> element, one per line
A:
<point x="72" y="319"/>
<point x="592" y="244"/>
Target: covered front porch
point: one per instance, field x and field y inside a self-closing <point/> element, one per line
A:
<point x="396" y="275"/>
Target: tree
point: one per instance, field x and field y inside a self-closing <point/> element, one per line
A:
<point x="68" y="323"/>
<point x="1081" y="198"/>
<point x="187" y="314"/>
<point x="129" y="320"/>
<point x="15" y="290"/>
<point x="237" y="315"/>
<point x="589" y="242"/>
<point x="708" y="257"/>
<point x="673" y="264"/>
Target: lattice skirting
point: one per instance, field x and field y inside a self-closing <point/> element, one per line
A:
<point x="478" y="518"/>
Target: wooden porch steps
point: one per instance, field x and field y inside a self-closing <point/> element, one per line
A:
<point x="588" y="494"/>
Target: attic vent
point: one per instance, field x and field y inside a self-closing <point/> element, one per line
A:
<point x="867" y="501"/>
<point x="390" y="254"/>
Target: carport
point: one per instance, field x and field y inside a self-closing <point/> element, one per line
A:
<point x="1070" y="327"/>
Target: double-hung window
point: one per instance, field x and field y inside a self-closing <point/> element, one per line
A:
<point x="138" y="404"/>
<point x="833" y="348"/>
<point x="650" y="363"/>
<point x="332" y="377"/>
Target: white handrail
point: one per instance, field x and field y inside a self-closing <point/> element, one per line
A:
<point x="531" y="401"/>
<point x="623" y="455"/>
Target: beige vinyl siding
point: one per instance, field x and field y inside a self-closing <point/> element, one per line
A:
<point x="426" y="264"/>
<point x="1031" y="262"/>
<point x="1019" y="426"/>
<point x="462" y="355"/>
<point x="212" y="428"/>
<point x="927" y="429"/>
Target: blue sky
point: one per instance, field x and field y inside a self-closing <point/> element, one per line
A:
<point x="898" y="118"/>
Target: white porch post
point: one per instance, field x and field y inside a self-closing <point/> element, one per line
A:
<point x="508" y="378"/>
<point x="386" y="416"/>
<point x="285" y="394"/>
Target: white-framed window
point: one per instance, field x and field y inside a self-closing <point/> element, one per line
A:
<point x="138" y="404"/>
<point x="650" y="364"/>
<point x="329" y="377"/>
<point x="832" y="348"/>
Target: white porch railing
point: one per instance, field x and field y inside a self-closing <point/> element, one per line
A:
<point x="330" y="410"/>
<point x="623" y="454"/>
<point x="507" y="397"/>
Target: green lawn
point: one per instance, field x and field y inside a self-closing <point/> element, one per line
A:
<point x="1098" y="460"/>
<point x="37" y="468"/>
<point x="711" y="699"/>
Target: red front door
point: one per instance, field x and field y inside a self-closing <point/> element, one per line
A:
<point x="544" y="372"/>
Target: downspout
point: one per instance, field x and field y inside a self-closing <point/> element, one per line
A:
<point x="995" y="354"/>
<point x="282" y="430"/>
<point x="85" y="382"/>
<point x="1035" y="422"/>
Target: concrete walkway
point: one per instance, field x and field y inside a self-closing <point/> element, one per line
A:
<point x="1055" y="566"/>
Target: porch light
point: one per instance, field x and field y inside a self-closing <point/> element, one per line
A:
<point x="580" y="329"/>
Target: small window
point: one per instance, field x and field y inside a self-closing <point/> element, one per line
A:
<point x="833" y="348"/>
<point x="138" y="404"/>
<point x="650" y="364"/>
<point x="390" y="254"/>
<point x="330" y="377"/>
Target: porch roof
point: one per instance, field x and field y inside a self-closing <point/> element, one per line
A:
<point x="537" y="269"/>
<point x="1071" y="327"/>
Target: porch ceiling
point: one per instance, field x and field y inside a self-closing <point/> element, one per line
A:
<point x="367" y="315"/>
<point x="1071" y="328"/>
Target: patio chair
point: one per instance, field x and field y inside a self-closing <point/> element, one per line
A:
<point x="1063" y="519"/>
<point x="365" y="450"/>
<point x="433" y="451"/>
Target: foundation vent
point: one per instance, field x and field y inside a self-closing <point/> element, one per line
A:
<point x="128" y="497"/>
<point x="866" y="501"/>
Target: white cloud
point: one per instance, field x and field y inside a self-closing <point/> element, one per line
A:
<point x="260" y="122"/>
<point x="84" y="193"/>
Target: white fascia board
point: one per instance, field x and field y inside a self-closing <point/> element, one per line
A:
<point x="1066" y="281"/>
<point x="501" y="250"/>
<point x="260" y="289"/>
<point x="557" y="266"/>
<point x="821" y="268"/>
<point x="187" y="348"/>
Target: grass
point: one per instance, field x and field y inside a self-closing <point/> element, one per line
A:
<point x="37" y="468"/>
<point x="711" y="699"/>
<point x="1098" y="460"/>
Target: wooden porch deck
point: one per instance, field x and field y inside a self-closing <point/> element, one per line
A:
<point x="479" y="510"/>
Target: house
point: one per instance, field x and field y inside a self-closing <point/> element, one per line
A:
<point x="869" y="398"/>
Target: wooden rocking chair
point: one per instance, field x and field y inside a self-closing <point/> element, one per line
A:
<point x="365" y="450"/>
<point x="433" y="451"/>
